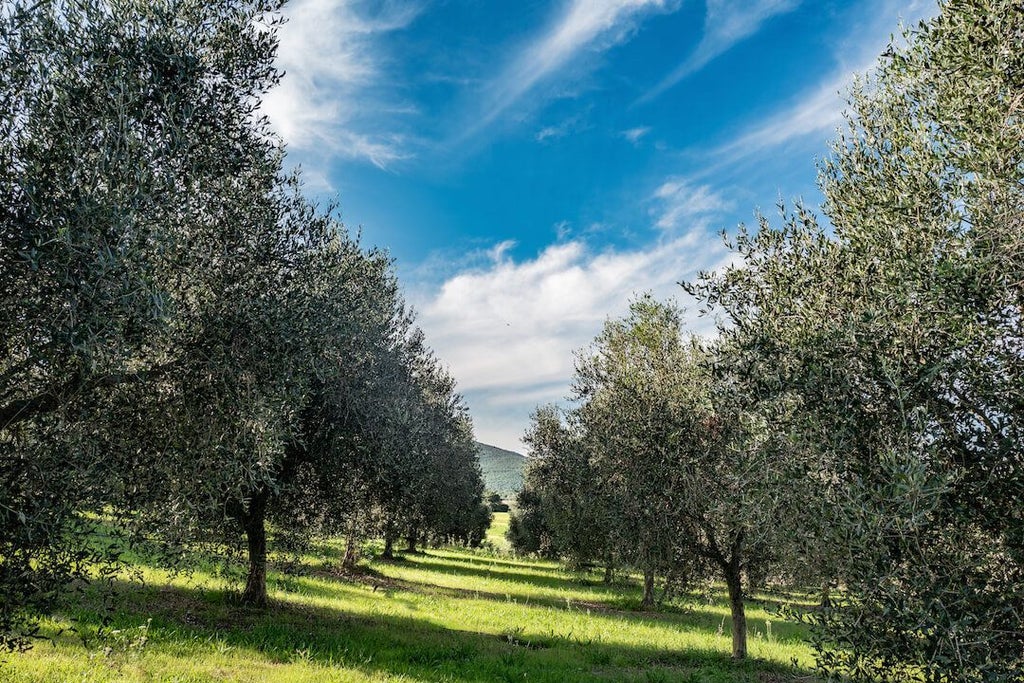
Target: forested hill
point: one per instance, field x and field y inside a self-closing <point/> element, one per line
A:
<point x="503" y="470"/>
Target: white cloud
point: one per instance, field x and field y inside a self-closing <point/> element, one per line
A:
<point x="818" y="111"/>
<point x="333" y="61"/>
<point x="563" y="229"/>
<point x="726" y="23"/>
<point x="508" y="330"/>
<point x="681" y="204"/>
<point x="550" y="132"/>
<point x="594" y="25"/>
<point x="634" y="135"/>
<point x="498" y="251"/>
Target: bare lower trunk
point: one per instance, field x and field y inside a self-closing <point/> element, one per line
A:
<point x="648" y="601"/>
<point x="734" y="581"/>
<point x="389" y="543"/>
<point x="609" y="573"/>
<point x="253" y="521"/>
<point x="351" y="552"/>
<point x="411" y="539"/>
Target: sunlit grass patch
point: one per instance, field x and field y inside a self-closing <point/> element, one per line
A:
<point x="441" y="615"/>
<point x="496" y="532"/>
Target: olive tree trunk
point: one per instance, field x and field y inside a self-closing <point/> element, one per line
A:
<point x="648" y="600"/>
<point x="351" y="551"/>
<point x="734" y="582"/>
<point x="411" y="539"/>
<point x="253" y="520"/>
<point x="389" y="542"/>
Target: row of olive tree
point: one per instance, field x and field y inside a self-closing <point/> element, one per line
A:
<point x="864" y="393"/>
<point x="663" y="465"/>
<point x="189" y="347"/>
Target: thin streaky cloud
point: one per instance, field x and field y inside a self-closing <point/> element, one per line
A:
<point x="634" y="135"/>
<point x="819" y="109"/>
<point x="679" y="204"/>
<point x="726" y="23"/>
<point x="583" y="24"/>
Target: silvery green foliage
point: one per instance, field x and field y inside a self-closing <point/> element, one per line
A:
<point x="561" y="510"/>
<point x="144" y="233"/>
<point x="899" y="333"/>
<point x="668" y="460"/>
<point x="190" y="346"/>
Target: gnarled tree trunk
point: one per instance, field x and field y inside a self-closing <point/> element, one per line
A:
<point x="253" y="521"/>
<point x="351" y="551"/>
<point x="389" y="542"/>
<point x="411" y="539"/>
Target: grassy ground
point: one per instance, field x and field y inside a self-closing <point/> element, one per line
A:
<point x="443" y="615"/>
<point x="496" y="533"/>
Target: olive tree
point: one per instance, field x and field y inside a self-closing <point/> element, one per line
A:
<point x="570" y="517"/>
<point x="128" y="137"/>
<point x="899" y="331"/>
<point x="669" y="439"/>
<point x="625" y="383"/>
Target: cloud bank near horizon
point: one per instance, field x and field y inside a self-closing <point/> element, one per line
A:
<point x="508" y="330"/>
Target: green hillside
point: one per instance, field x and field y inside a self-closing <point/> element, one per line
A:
<point x="503" y="470"/>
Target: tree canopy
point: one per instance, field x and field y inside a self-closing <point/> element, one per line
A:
<point x="190" y="346"/>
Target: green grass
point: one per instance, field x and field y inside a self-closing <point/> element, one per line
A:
<point x="443" y="615"/>
<point x="496" y="534"/>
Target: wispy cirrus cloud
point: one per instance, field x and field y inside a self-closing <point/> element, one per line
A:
<point x="569" y="126"/>
<point x="634" y="135"/>
<point x="679" y="204"/>
<point x="332" y="54"/>
<point x="726" y="23"/>
<point x="583" y="26"/>
<point x="817" y="111"/>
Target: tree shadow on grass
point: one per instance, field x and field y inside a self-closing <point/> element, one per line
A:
<point x="196" y="622"/>
<point x="444" y="564"/>
<point x="484" y="560"/>
<point x="705" y="617"/>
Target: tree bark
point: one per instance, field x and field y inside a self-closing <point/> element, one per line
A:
<point x="410" y="540"/>
<point x="351" y="551"/>
<point x="734" y="582"/>
<point x="648" y="601"/>
<point x="389" y="543"/>
<point x="609" y="573"/>
<point x="253" y="521"/>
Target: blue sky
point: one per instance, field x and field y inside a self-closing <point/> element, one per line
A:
<point x="532" y="164"/>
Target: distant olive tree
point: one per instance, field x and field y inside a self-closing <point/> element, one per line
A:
<point x="666" y="463"/>
<point x="560" y="510"/>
